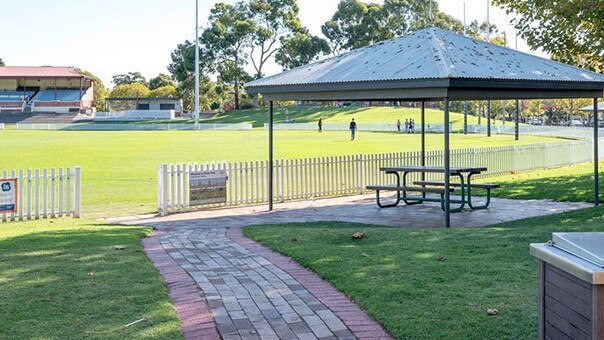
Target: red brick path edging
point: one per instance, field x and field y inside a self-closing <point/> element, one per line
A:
<point x="351" y="315"/>
<point x="196" y="320"/>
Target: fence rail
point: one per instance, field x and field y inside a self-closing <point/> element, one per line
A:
<point x="45" y="193"/>
<point x="348" y="175"/>
<point x="132" y="127"/>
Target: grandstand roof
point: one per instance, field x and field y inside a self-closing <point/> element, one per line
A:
<point x="39" y="72"/>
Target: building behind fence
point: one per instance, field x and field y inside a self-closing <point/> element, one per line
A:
<point x="45" y="193"/>
<point x="318" y="177"/>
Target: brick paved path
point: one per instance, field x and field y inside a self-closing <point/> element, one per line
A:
<point x="250" y="292"/>
<point x="251" y="297"/>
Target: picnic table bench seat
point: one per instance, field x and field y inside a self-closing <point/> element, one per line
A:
<point x="398" y="188"/>
<point x="485" y="186"/>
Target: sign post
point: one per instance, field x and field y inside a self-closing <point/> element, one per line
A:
<point x="8" y="195"/>
<point x="207" y="187"/>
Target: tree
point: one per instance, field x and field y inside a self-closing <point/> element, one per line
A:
<point x="182" y="69"/>
<point x="99" y="91"/>
<point x="2" y="62"/>
<point x="161" y="80"/>
<point x="273" y="20"/>
<point x="225" y="43"/>
<point x="129" y="78"/>
<point x="300" y="49"/>
<point x="132" y="90"/>
<point x="164" y="91"/>
<point x="357" y="24"/>
<point x="571" y="31"/>
<point x="486" y="32"/>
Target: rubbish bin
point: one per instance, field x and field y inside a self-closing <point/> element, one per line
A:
<point x="571" y="286"/>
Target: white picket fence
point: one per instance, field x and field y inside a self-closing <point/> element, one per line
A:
<point x="46" y="193"/>
<point x="132" y="127"/>
<point x="316" y="177"/>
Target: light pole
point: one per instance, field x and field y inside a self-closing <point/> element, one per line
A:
<point x="196" y="103"/>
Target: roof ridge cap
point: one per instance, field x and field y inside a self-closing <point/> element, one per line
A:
<point x="445" y="60"/>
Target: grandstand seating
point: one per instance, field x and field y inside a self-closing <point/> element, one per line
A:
<point x="10" y="96"/>
<point x="59" y="94"/>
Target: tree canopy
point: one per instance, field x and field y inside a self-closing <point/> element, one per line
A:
<point x="357" y="24"/>
<point x="129" y="78"/>
<point x="273" y="20"/>
<point x="131" y="90"/>
<point x="571" y="31"/>
<point x="2" y="62"/>
<point x="300" y="49"/>
<point x="226" y="42"/>
<point x="163" y="91"/>
<point x="161" y="80"/>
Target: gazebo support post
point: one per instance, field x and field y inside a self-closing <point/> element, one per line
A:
<point x="423" y="141"/>
<point x="516" y="120"/>
<point x="447" y="162"/>
<point x="270" y="155"/>
<point x="596" y="156"/>
<point x="465" y="117"/>
<point x="488" y="118"/>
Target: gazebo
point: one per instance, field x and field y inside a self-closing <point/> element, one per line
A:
<point x="430" y="65"/>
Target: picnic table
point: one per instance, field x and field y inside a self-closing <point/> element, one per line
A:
<point x="437" y="187"/>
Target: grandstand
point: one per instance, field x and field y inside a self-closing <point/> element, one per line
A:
<point x="45" y="90"/>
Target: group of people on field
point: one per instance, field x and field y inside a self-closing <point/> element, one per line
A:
<point x="409" y="125"/>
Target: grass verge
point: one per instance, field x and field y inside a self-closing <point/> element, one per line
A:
<point x="432" y="283"/>
<point x="65" y="279"/>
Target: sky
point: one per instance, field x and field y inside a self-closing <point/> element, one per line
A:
<point x="112" y="37"/>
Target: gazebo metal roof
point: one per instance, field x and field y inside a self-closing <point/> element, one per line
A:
<point x="431" y="64"/>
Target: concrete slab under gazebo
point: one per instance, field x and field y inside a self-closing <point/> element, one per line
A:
<point x="430" y="65"/>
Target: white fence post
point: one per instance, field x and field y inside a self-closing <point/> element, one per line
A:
<point x="359" y="166"/>
<point x="163" y="185"/>
<point x="77" y="193"/>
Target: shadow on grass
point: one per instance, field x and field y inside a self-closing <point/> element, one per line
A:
<point x="74" y="283"/>
<point x="576" y="187"/>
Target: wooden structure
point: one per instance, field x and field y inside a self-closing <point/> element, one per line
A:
<point x="571" y="286"/>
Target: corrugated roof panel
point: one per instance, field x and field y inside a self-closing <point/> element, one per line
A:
<point x="429" y="54"/>
<point x="38" y="71"/>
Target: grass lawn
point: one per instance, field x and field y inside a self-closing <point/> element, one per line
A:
<point x="331" y="114"/>
<point x="432" y="283"/>
<point x="64" y="279"/>
<point x="119" y="168"/>
<point x="572" y="183"/>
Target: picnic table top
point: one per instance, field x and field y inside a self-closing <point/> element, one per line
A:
<point x="454" y="170"/>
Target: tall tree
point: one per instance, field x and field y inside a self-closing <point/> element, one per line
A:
<point x="225" y="43"/>
<point x="300" y="49"/>
<point x="273" y="20"/>
<point x="571" y="31"/>
<point x="100" y="91"/>
<point x="356" y="24"/>
<point x="182" y="69"/>
<point x="129" y="78"/>
<point x="161" y="80"/>
<point x="2" y="62"/>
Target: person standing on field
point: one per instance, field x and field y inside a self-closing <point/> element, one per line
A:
<point x="320" y="125"/>
<point x="398" y="125"/>
<point x="353" y="129"/>
<point x="407" y="125"/>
